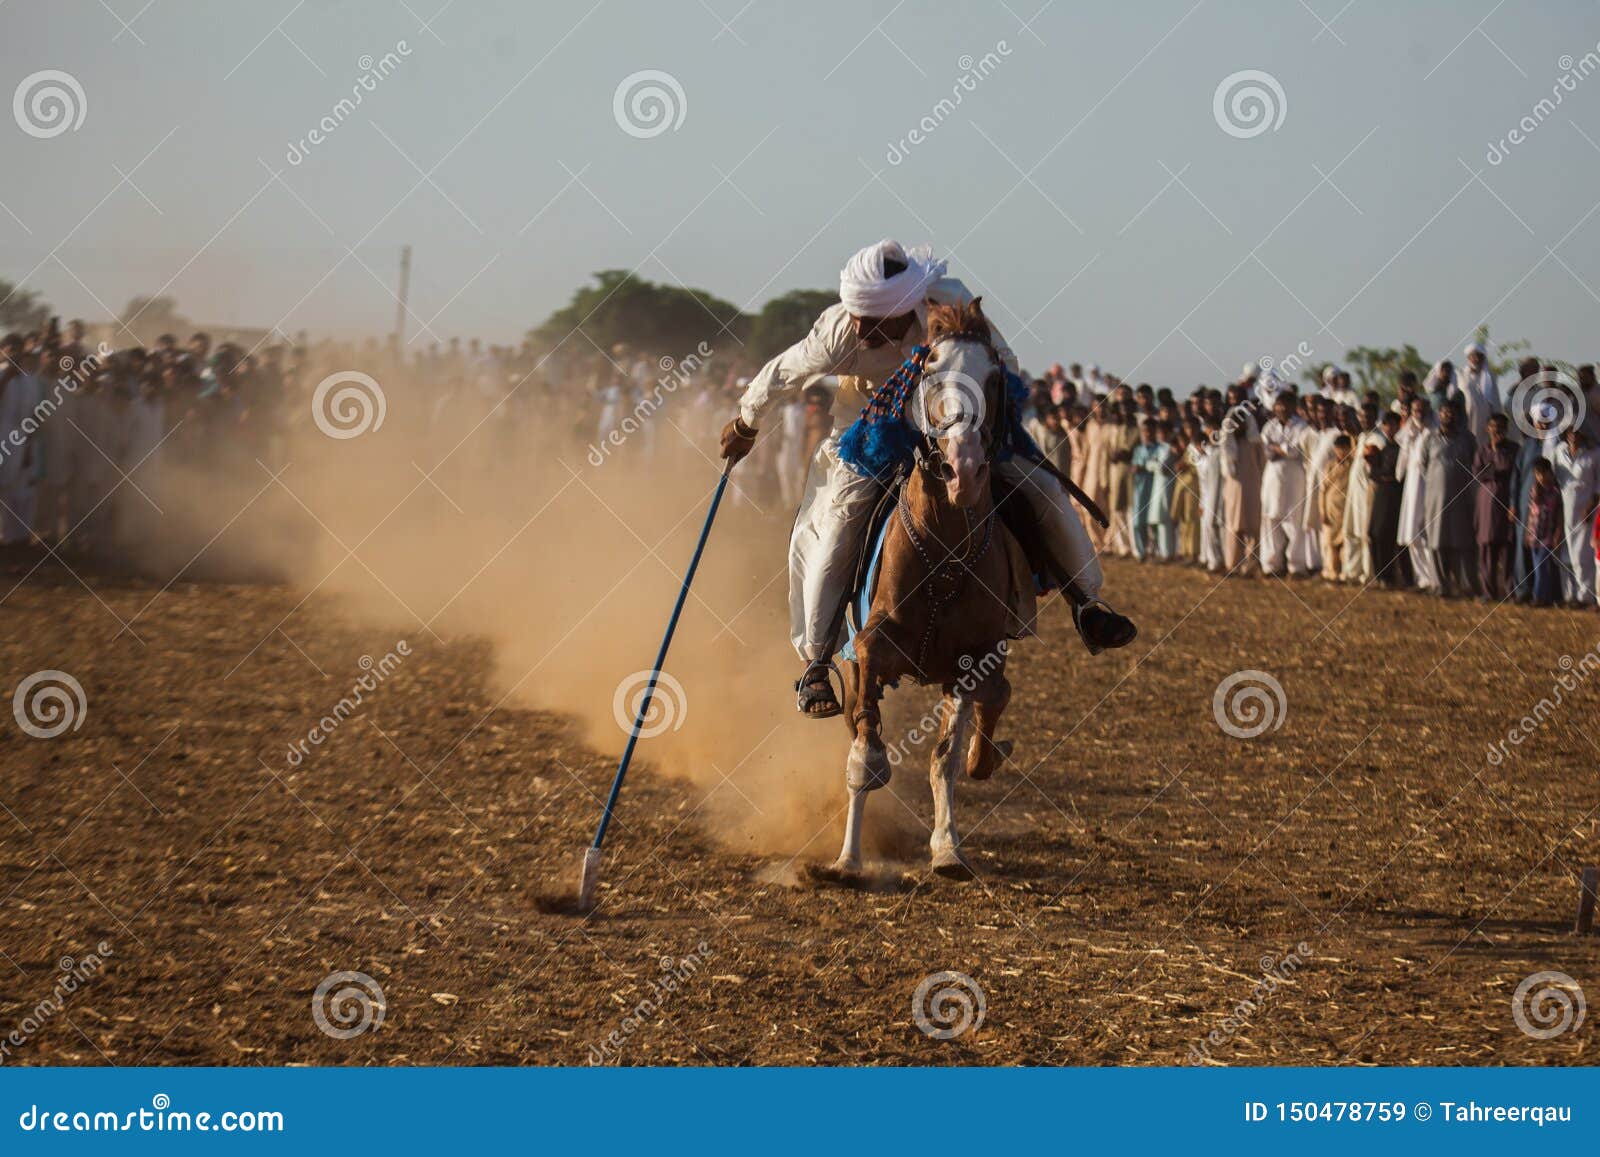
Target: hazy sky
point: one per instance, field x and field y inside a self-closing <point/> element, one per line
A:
<point x="1084" y="185"/>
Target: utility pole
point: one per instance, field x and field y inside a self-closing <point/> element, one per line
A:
<point x="405" y="292"/>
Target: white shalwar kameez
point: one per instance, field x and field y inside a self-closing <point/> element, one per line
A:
<point x="1207" y="460"/>
<point x="1480" y="397"/>
<point x="1283" y="495"/>
<point x="838" y="502"/>
<point x="1318" y="446"/>
<point x="1413" y="533"/>
<point x="1578" y="476"/>
<point x="1358" y="511"/>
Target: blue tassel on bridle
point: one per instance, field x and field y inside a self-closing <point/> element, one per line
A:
<point x="881" y="442"/>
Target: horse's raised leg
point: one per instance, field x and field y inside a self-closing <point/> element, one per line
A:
<point x="868" y="766"/>
<point x="985" y="753"/>
<point x="949" y="754"/>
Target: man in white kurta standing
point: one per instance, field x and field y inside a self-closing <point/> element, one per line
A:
<point x="1577" y="467"/>
<point x="1206" y="455"/>
<point x="1283" y="488"/>
<point x="1480" y="395"/>
<point x="884" y="293"/>
<point x="1358" y="500"/>
<point x="1413" y="498"/>
<point x="1318" y="446"/>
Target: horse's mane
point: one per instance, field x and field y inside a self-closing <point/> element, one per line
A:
<point x="960" y="321"/>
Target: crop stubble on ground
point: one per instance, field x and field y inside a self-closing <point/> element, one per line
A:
<point x="1138" y="863"/>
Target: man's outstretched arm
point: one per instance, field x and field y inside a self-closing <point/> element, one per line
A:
<point x="828" y="349"/>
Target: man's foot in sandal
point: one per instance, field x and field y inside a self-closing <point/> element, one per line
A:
<point x="814" y="691"/>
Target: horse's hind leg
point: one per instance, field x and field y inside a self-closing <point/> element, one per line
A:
<point x="985" y="752"/>
<point x="949" y="754"/>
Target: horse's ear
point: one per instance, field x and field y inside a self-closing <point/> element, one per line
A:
<point x="942" y="319"/>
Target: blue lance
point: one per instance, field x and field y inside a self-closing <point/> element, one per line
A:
<point x="590" y="879"/>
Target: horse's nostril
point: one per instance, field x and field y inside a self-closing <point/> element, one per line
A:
<point x="947" y="472"/>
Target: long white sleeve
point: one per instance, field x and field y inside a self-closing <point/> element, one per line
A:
<point x="830" y="348"/>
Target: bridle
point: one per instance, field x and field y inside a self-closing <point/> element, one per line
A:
<point x="947" y="575"/>
<point x="929" y="458"/>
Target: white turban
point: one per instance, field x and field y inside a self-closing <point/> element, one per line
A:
<point x="866" y="292"/>
<point x="1475" y="348"/>
<point x="1437" y="379"/>
<point x="1329" y="373"/>
<point x="1269" y="387"/>
<point x="1250" y="372"/>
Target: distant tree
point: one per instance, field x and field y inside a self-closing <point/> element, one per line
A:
<point x="1373" y="368"/>
<point x="150" y="317"/>
<point x="21" y="309"/>
<point x="785" y="320"/>
<point x="657" y="319"/>
<point x="1502" y="356"/>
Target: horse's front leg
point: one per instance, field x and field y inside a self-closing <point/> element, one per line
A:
<point x="950" y="754"/>
<point x="868" y="767"/>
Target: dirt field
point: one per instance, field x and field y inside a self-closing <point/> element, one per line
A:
<point x="1141" y="868"/>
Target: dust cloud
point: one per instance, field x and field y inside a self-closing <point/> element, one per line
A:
<point x="509" y="531"/>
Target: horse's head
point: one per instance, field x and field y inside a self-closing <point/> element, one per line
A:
<point x="960" y="400"/>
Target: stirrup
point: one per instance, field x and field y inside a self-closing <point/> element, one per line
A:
<point x="1078" y="608"/>
<point x="806" y="695"/>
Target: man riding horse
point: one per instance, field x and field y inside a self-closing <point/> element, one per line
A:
<point x="884" y="295"/>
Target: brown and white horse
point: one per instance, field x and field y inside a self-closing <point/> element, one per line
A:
<point x="940" y="610"/>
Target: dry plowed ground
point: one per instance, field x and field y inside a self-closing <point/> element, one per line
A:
<point x="1141" y="868"/>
